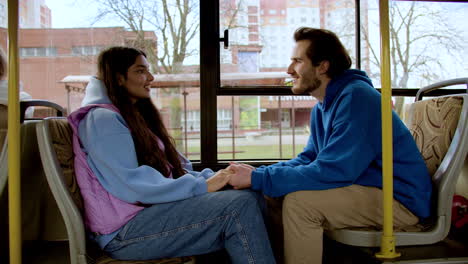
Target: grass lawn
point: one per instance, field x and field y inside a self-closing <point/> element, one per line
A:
<point x="250" y="152"/>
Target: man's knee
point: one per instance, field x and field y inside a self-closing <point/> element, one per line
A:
<point x="302" y="207"/>
<point x="303" y="201"/>
<point x="292" y="204"/>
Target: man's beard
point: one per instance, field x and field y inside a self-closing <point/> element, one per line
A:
<point x="308" y="88"/>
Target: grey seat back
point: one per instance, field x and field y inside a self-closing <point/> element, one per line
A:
<point x="48" y="148"/>
<point x="3" y="181"/>
<point x="440" y="128"/>
<point x="41" y="219"/>
<point x="3" y="147"/>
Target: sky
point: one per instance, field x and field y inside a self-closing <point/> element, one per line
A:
<point x="69" y="14"/>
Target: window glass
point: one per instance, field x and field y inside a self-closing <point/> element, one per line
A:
<point x="263" y="127"/>
<point x="3" y="14"/>
<point x="420" y="54"/>
<point x="61" y="39"/>
<point x="38" y="52"/>
<point x="258" y="27"/>
<point x="86" y="50"/>
<point x="270" y="127"/>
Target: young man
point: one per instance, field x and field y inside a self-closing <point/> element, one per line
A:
<point x="336" y="181"/>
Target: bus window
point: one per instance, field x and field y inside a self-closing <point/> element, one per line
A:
<point x="420" y="54"/>
<point x="59" y="47"/>
<point x="260" y="45"/>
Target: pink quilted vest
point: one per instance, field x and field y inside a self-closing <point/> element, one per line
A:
<point x="104" y="213"/>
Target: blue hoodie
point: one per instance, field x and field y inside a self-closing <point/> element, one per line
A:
<point x="108" y="144"/>
<point x="345" y="148"/>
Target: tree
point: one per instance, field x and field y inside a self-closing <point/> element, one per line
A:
<point x="172" y="21"/>
<point x="413" y="44"/>
<point x="176" y="23"/>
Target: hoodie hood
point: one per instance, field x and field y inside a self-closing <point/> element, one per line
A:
<point x="338" y="83"/>
<point x="95" y="93"/>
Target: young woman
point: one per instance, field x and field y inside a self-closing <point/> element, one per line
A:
<point x="142" y="199"/>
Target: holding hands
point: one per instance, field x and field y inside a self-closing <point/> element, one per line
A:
<point x="238" y="175"/>
<point x="219" y="180"/>
<point x="242" y="174"/>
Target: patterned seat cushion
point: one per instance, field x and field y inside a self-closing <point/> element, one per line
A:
<point x="433" y="123"/>
<point x="61" y="135"/>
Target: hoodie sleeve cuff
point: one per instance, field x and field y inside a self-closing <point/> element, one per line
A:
<point x="256" y="179"/>
<point x="201" y="187"/>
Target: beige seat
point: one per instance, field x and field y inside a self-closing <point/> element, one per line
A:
<point x="55" y="145"/>
<point x="28" y="137"/>
<point x="3" y="180"/>
<point x="41" y="219"/>
<point x="3" y="148"/>
<point x="440" y="129"/>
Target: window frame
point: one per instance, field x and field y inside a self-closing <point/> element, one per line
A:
<point x="210" y="81"/>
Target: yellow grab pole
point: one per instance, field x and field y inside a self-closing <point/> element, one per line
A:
<point x="387" y="248"/>
<point x="14" y="191"/>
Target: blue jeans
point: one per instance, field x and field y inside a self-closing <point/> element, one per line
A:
<point x="228" y="219"/>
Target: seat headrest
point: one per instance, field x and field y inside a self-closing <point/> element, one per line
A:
<point x="433" y="123"/>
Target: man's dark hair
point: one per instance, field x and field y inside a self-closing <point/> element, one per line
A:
<point x="325" y="46"/>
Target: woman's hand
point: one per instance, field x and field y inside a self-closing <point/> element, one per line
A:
<point x="219" y="180"/>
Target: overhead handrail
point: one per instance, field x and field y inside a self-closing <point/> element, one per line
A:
<point x="25" y="104"/>
<point x="441" y="84"/>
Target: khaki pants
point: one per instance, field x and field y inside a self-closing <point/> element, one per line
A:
<point x="306" y="213"/>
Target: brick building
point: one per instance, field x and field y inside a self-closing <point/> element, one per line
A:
<point x="49" y="55"/>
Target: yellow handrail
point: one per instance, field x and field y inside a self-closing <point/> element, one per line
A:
<point x="14" y="190"/>
<point x="387" y="248"/>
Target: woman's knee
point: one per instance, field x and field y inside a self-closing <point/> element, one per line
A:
<point x="234" y="197"/>
<point x="247" y="202"/>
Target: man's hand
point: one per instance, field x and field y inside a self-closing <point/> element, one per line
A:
<point x="242" y="164"/>
<point x="219" y="180"/>
<point x="241" y="178"/>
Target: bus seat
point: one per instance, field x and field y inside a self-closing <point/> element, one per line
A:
<point x="3" y="180"/>
<point x="41" y="219"/>
<point x="24" y="107"/>
<point x="55" y="146"/>
<point x="440" y="129"/>
<point x="3" y="149"/>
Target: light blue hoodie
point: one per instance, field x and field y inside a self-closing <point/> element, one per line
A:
<point x="110" y="151"/>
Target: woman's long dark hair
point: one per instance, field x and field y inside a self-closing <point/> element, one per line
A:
<point x="142" y="117"/>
